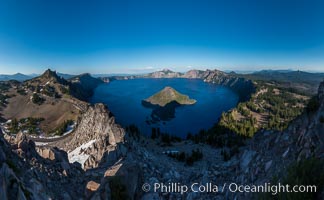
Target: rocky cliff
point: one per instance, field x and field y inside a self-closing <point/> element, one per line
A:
<point x="243" y="87"/>
<point x="46" y="172"/>
<point x="97" y="139"/>
<point x="270" y="153"/>
<point x="25" y="174"/>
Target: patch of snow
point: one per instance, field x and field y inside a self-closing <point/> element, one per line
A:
<point x="77" y="156"/>
<point x="3" y="130"/>
<point x="69" y="130"/>
<point x="41" y="143"/>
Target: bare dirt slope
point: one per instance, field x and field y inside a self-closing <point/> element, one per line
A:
<point x="55" y="103"/>
<point x="54" y="111"/>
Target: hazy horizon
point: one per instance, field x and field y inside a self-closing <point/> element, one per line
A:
<point x="150" y="71"/>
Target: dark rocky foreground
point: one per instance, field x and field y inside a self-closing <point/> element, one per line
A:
<point x="117" y="164"/>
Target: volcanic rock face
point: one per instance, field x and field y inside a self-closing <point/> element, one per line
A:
<point x="97" y="137"/>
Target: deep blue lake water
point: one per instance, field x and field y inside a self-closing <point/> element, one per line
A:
<point x="124" y="97"/>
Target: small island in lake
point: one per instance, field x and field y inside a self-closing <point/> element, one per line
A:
<point x="164" y="103"/>
<point x="169" y="95"/>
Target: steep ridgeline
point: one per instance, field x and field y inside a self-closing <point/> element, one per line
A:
<point x="80" y="86"/>
<point x="96" y="140"/>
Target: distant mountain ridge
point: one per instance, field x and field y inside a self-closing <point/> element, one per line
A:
<point x="23" y="77"/>
<point x="17" y="77"/>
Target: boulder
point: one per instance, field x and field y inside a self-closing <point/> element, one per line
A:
<point x="53" y="153"/>
<point x="92" y="186"/>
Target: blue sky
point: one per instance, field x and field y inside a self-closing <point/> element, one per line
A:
<point x="140" y="36"/>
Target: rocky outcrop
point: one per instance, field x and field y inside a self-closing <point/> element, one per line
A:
<point x="49" y="76"/>
<point x="23" y="146"/>
<point x="311" y="130"/>
<point x="24" y="174"/>
<point x="98" y="123"/>
<point x="96" y="140"/>
<point x="122" y="181"/>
